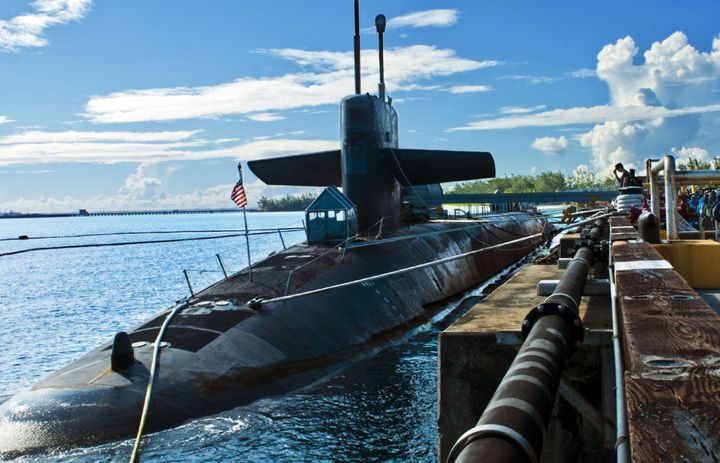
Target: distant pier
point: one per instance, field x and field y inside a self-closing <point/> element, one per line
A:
<point x="84" y="213"/>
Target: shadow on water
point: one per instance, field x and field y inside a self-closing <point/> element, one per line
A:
<point x="379" y="408"/>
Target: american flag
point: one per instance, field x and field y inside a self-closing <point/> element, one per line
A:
<point x="238" y="193"/>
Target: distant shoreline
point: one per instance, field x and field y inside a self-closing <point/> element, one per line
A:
<point x="35" y="215"/>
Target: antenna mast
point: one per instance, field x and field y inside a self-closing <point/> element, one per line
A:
<point x="380" y="27"/>
<point x="357" y="48"/>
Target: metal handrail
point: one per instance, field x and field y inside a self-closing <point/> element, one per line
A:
<point x="671" y="179"/>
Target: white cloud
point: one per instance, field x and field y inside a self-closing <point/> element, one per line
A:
<point x="265" y="117"/>
<point x="111" y="147"/>
<point x="533" y="80"/>
<point x="437" y="18"/>
<point x="586" y="115"/>
<point x="582" y="73"/>
<point x="137" y="193"/>
<point x="27" y="30"/>
<point x="521" y="109"/>
<point x="332" y="79"/>
<point x="551" y="145"/>
<point x="684" y="153"/>
<point x="669" y="100"/>
<point x="73" y="136"/>
<point x="459" y="89"/>
<point x="675" y="77"/>
<point x="141" y="185"/>
<point x="5" y="120"/>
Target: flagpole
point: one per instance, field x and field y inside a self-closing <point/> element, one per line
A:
<point x="247" y="244"/>
<point x="240" y="198"/>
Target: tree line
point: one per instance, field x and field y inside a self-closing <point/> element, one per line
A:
<point x="286" y="203"/>
<point x="581" y="179"/>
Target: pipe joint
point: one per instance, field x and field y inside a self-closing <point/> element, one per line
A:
<point x="599" y="253"/>
<point x="576" y="330"/>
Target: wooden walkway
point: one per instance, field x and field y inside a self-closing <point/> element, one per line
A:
<point x="671" y="349"/>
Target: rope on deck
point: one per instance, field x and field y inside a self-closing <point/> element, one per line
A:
<point x="394" y="272"/>
<point x="151" y="379"/>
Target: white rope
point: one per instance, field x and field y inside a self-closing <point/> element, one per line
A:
<point x="151" y="378"/>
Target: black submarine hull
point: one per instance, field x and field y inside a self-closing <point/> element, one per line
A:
<point x="221" y="353"/>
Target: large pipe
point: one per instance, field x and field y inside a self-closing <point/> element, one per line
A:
<point x="668" y="169"/>
<point x="512" y="427"/>
<point x="671" y="179"/>
<point x="692" y="177"/>
<point x="356" y="48"/>
<point x="654" y="190"/>
<point x="670" y="198"/>
<point x="689" y="177"/>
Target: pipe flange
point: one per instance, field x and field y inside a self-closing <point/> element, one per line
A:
<point x="597" y="249"/>
<point x="576" y="331"/>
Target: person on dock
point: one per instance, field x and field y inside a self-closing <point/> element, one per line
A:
<point x="624" y="177"/>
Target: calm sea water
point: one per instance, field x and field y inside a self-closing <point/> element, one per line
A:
<point x="57" y="305"/>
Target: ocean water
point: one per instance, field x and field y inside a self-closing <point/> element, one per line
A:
<point x="58" y="304"/>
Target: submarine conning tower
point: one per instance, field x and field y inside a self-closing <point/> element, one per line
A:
<point x="368" y="130"/>
<point x="370" y="167"/>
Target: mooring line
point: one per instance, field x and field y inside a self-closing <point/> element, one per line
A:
<point x="128" y="243"/>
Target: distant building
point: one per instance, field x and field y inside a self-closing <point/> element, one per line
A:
<point x="83" y="212"/>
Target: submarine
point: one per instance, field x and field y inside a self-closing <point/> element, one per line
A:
<point x="370" y="269"/>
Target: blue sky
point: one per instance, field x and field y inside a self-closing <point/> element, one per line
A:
<point x="137" y="104"/>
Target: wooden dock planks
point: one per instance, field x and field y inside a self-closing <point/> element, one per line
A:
<point x="671" y="344"/>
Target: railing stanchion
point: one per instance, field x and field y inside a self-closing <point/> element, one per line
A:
<point x="281" y="239"/>
<point x="187" y="279"/>
<point x="222" y="267"/>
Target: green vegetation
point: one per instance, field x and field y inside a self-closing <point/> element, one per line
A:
<point x="697" y="164"/>
<point x="581" y="179"/>
<point x="286" y="203"/>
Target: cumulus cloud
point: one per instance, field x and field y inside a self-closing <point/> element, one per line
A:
<point x="26" y="30"/>
<point x="671" y="99"/>
<point x="675" y="78"/>
<point x="141" y="185"/>
<point x="438" y="18"/>
<point x="684" y="153"/>
<point x="111" y="147"/>
<point x="551" y="145"/>
<point x="329" y="79"/>
<point x="459" y="89"/>
<point x="5" y="120"/>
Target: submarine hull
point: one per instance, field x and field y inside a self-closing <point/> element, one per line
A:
<point x="221" y="353"/>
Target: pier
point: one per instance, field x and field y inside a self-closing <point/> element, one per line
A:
<point x="661" y="404"/>
<point x="85" y="213"/>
